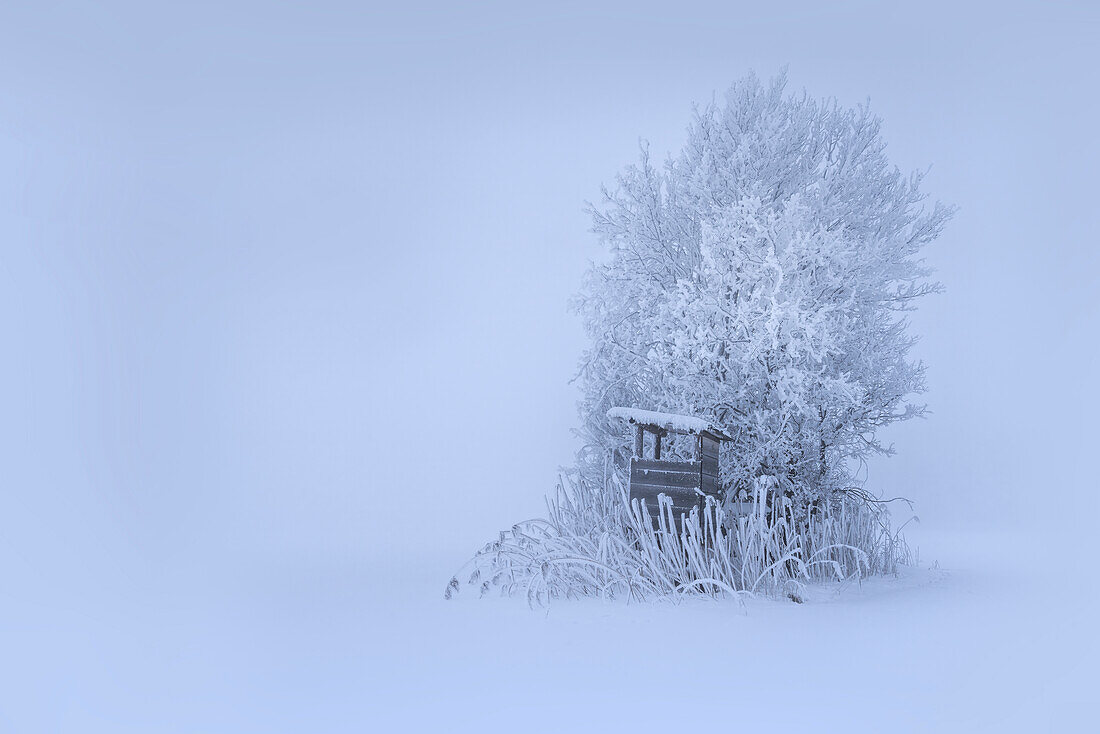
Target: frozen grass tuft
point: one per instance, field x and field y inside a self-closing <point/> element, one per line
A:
<point x="595" y="542"/>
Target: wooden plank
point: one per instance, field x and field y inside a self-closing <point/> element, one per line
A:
<point x="652" y="507"/>
<point x="651" y="468"/>
<point x="665" y="479"/>
<point x="666" y="466"/>
<point x="676" y="512"/>
<point x="676" y="524"/>
<point x="639" y="442"/>
<point x="657" y="447"/>
<point x="678" y="497"/>
<point x="687" y="495"/>
<point x="640" y="473"/>
<point x="709" y="485"/>
<point x="682" y="497"/>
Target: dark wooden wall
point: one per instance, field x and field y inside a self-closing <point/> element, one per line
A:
<point x="708" y="459"/>
<point x="681" y="481"/>
<point x="677" y="479"/>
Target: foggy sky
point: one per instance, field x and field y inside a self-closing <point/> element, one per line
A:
<point x="288" y="287"/>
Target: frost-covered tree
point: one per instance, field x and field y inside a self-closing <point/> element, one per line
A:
<point x="760" y="279"/>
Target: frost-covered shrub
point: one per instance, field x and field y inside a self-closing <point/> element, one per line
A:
<point x="758" y="279"/>
<point x="594" y="543"/>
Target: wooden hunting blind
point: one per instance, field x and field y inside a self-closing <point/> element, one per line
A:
<point x="683" y="482"/>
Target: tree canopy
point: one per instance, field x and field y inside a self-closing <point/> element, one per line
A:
<point x="760" y="279"/>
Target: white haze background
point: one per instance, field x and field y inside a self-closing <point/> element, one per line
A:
<point x="282" y="298"/>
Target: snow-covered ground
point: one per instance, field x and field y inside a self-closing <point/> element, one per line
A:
<point x="967" y="646"/>
<point x="962" y="648"/>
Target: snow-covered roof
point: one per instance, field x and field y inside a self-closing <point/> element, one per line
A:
<point x="668" y="421"/>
